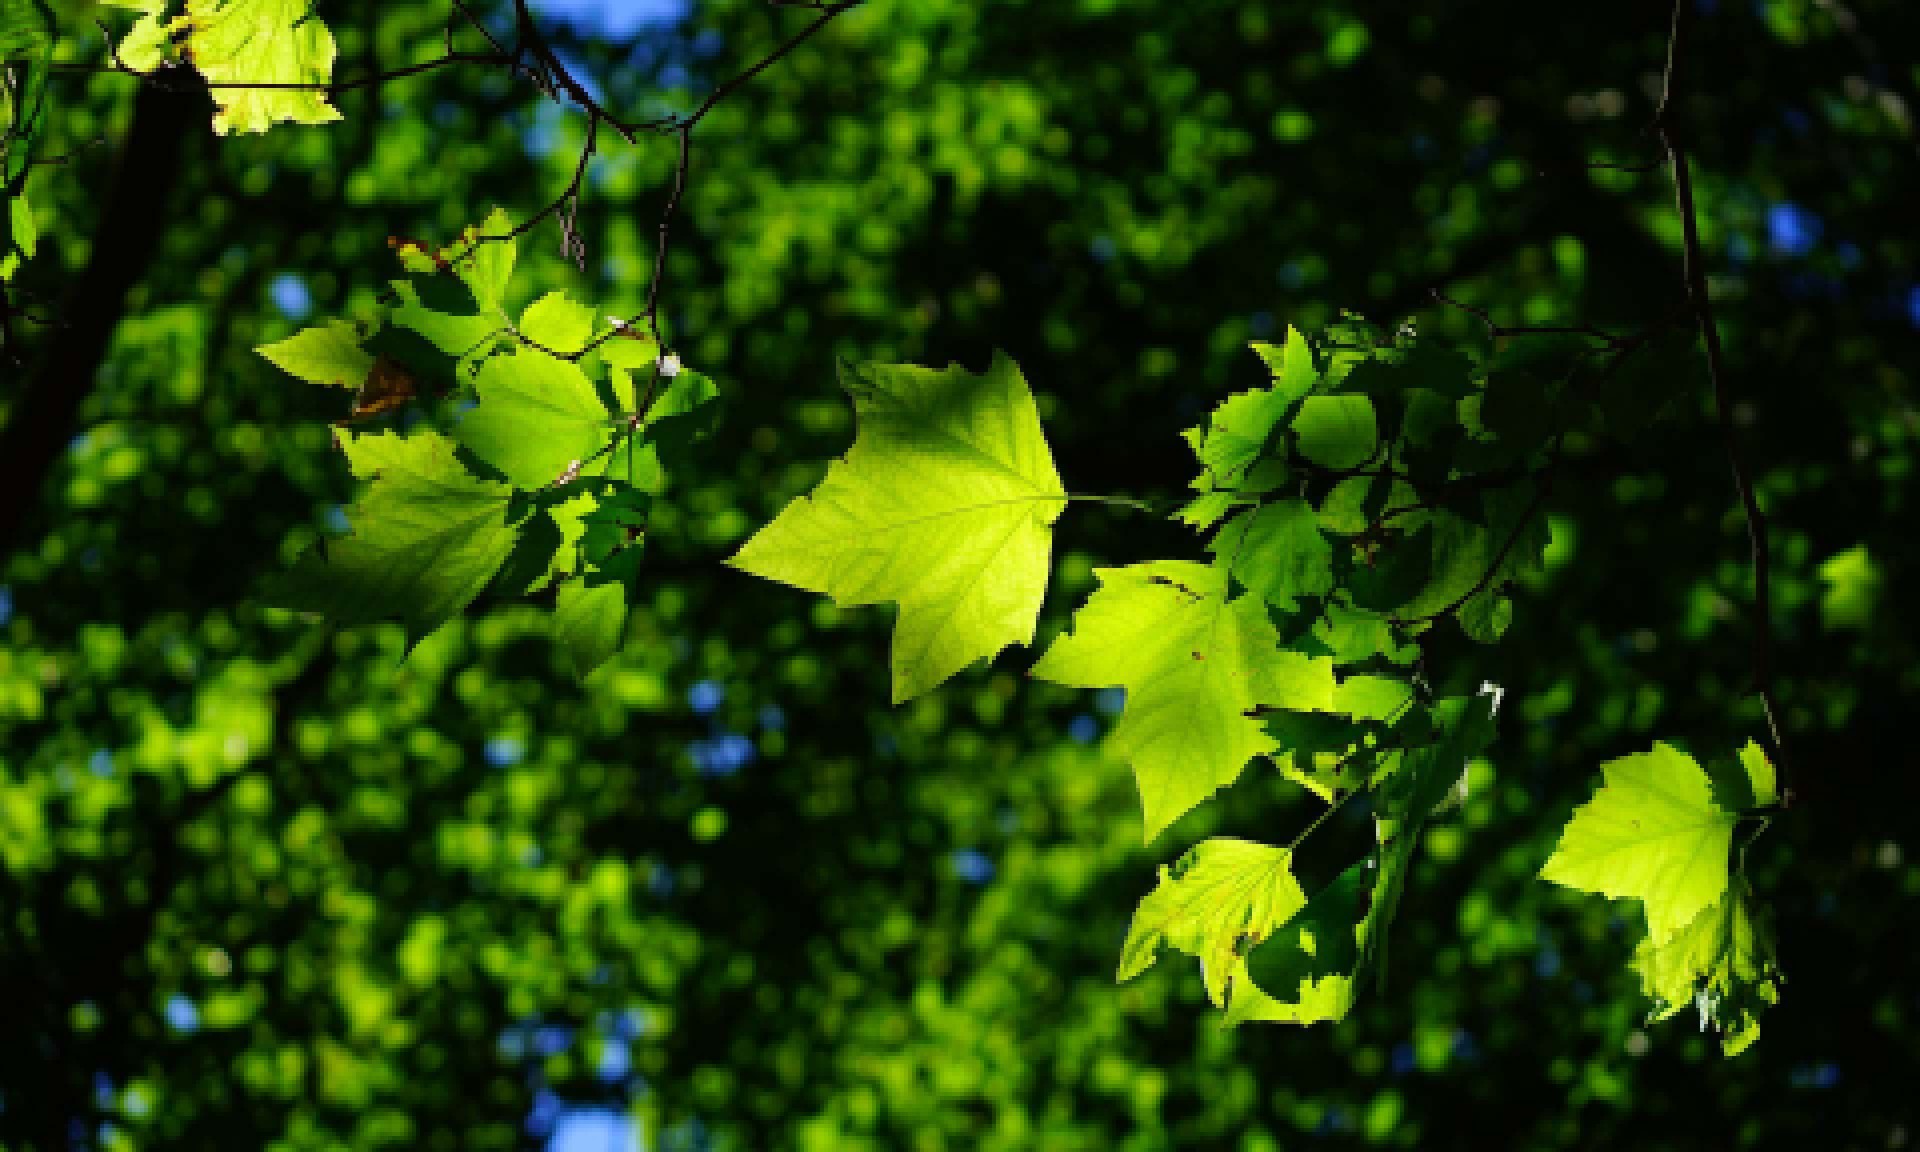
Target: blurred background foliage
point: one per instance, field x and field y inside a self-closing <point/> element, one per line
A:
<point x="267" y="887"/>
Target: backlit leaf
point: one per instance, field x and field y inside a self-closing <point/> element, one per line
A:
<point x="944" y="505"/>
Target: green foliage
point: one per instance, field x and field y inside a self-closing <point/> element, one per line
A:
<point x="1195" y="664"/>
<point x="1216" y="902"/>
<point x="327" y="354"/>
<point x="944" y="505"/>
<point x="26" y="49"/>
<point x="1660" y="830"/>
<point x="428" y="536"/>
<point x="578" y="455"/>
<point x="1291" y="644"/>
<point x="409" y="894"/>
<point x="278" y="45"/>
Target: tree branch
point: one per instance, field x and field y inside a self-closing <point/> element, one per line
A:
<point x="1699" y="296"/>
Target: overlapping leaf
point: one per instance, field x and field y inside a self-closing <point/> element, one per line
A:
<point x="427" y="537"/>
<point x="560" y="422"/>
<point x="1195" y="664"/>
<point x="1722" y="963"/>
<point x="1216" y="902"/>
<point x="1660" y="830"/>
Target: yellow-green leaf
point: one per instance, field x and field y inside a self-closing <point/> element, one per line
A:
<point x="1652" y="833"/>
<point x="1216" y="902"/>
<point x="1194" y="664"/>
<point x="235" y="43"/>
<point x="944" y="505"/>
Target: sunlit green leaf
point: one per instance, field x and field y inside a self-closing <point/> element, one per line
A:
<point x="944" y="505"/>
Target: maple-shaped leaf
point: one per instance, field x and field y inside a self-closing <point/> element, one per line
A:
<point x="278" y="45"/>
<point x="1721" y="963"/>
<point x="539" y="418"/>
<point x="1216" y="902"/>
<point x="1195" y="664"/>
<point x="1653" y="833"/>
<point x="944" y="505"/>
<point x="1661" y="829"/>
<point x="427" y="536"/>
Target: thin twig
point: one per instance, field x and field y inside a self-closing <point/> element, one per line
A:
<point x="1698" y="294"/>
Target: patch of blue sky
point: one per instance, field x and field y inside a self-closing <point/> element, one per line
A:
<point x="594" y="1130"/>
<point x="616" y="19"/>
<point x="183" y="1015"/>
<point x="1792" y="230"/>
<point x="291" y="296"/>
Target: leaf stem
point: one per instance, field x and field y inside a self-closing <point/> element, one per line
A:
<point x="1117" y="502"/>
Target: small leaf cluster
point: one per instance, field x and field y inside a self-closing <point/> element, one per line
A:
<point x="26" y="57"/>
<point x="530" y="447"/>
<point x="1381" y="488"/>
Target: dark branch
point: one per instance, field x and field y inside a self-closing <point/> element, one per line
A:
<point x="1701" y="299"/>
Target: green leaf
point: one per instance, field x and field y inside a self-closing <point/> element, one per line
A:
<point x="1428" y="774"/>
<point x="1277" y="551"/>
<point x="238" y="43"/>
<point x="1352" y="636"/>
<point x="633" y="351"/>
<point x="1294" y="371"/>
<point x="1652" y="833"/>
<point x="945" y="505"/>
<point x="1312" y="968"/>
<point x="590" y="621"/>
<point x="1206" y="510"/>
<point x="327" y="354"/>
<point x="1469" y="556"/>
<point x="148" y="44"/>
<point x="1337" y="432"/>
<point x="538" y="418"/>
<point x="1853" y="583"/>
<point x="1722" y="962"/>
<point x="1353" y="503"/>
<point x="429" y="313"/>
<point x="1396" y="570"/>
<point x="1194" y="665"/>
<point x="1760" y="775"/>
<point x="1237" y="432"/>
<point x="427" y="537"/>
<point x="1216" y="902"/>
<point x="557" y="323"/>
<point x="681" y="414"/>
<point x="25" y="29"/>
<point x="1486" y="616"/>
<point x="20" y="236"/>
<point x="1425" y="367"/>
<point x="488" y="265"/>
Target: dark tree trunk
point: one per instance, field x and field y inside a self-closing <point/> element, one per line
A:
<point x="46" y="411"/>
